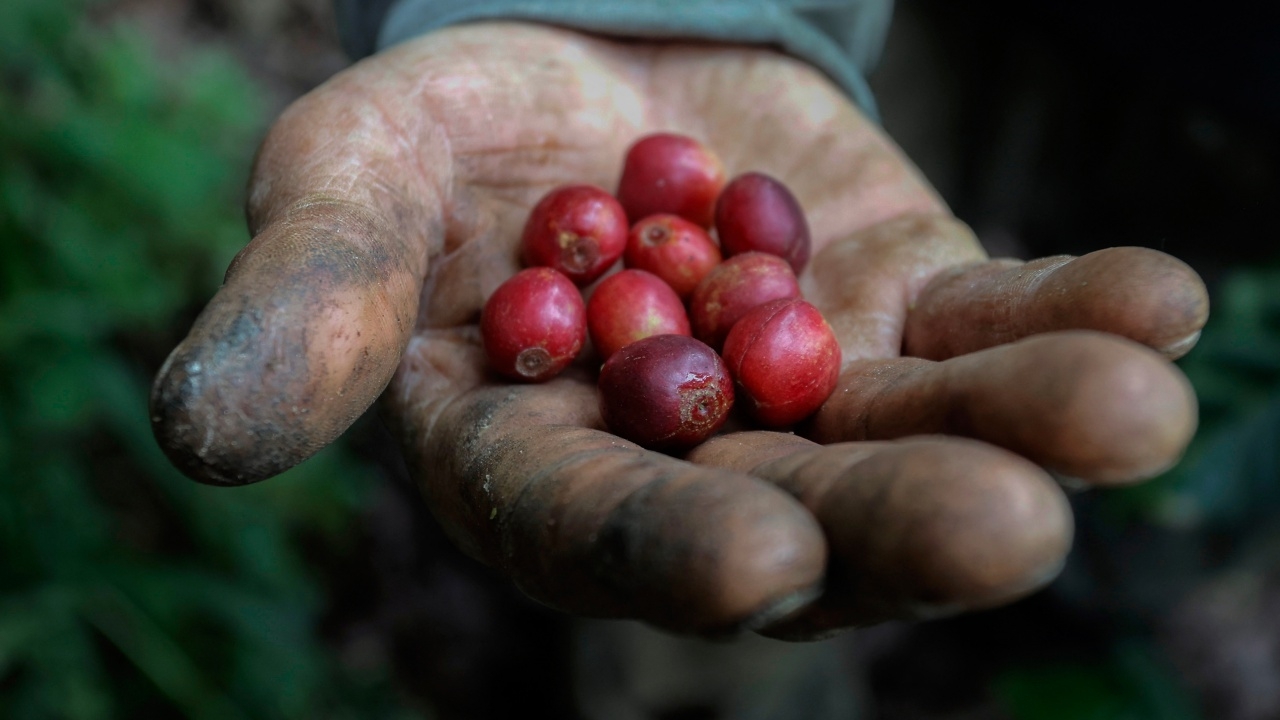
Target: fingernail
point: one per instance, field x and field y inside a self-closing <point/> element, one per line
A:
<point x="785" y="606"/>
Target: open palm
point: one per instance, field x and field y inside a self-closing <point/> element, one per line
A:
<point x="387" y="205"/>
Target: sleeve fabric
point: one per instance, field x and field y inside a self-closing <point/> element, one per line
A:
<point x="842" y="38"/>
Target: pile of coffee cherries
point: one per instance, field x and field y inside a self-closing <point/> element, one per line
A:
<point x="690" y="324"/>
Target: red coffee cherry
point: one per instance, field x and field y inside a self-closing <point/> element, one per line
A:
<point x="785" y="360"/>
<point x="758" y="213"/>
<point x="669" y="173"/>
<point x="632" y="305"/>
<point x="579" y="230"/>
<point x="672" y="248"/>
<point x="734" y="287"/>
<point x="533" y="325"/>
<point x="666" y="392"/>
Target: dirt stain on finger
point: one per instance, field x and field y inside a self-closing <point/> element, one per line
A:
<point x="302" y="339"/>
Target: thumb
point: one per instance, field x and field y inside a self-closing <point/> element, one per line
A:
<point x="315" y="312"/>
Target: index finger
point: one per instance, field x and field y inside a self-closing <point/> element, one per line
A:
<point x="316" y="310"/>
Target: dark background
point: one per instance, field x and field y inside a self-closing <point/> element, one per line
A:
<point x="126" y="129"/>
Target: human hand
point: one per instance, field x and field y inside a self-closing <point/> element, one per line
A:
<point x="386" y="205"/>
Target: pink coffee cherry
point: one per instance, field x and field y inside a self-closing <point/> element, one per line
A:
<point x="672" y="248"/>
<point x="734" y="287"/>
<point x="666" y="392"/>
<point x="632" y="305"/>
<point x="669" y="173"/>
<point x="579" y="230"/>
<point x="758" y="213"/>
<point x="785" y="360"/>
<point x="533" y="325"/>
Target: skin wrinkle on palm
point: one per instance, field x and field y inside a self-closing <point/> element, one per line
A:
<point x="472" y="125"/>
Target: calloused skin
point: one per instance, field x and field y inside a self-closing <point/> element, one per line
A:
<point x="387" y="204"/>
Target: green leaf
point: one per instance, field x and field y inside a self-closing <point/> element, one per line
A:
<point x="68" y="682"/>
<point x="23" y="625"/>
<point x="161" y="659"/>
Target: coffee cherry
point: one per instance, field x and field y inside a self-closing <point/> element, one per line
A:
<point x="734" y="287"/>
<point x="757" y="213"/>
<point x="533" y="325"/>
<point x="785" y="360"/>
<point x="669" y="173"/>
<point x="632" y="305"/>
<point x="666" y="392"/>
<point x="672" y="248"/>
<point x="579" y="230"/>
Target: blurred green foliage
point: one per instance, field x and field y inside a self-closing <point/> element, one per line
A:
<point x="126" y="590"/>
<point x="1132" y="683"/>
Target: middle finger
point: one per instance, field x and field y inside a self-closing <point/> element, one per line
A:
<point x="524" y="478"/>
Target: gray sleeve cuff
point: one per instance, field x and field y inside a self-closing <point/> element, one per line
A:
<point x="840" y="37"/>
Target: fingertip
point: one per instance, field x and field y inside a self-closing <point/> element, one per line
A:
<point x="240" y="401"/>
<point x="1138" y="293"/>
<point x="741" y="550"/>
<point x="961" y="524"/>
<point x="1142" y="294"/>
<point x="997" y="529"/>
<point x="193" y="435"/>
<point x="1130" y="415"/>
<point x="1086" y="404"/>
<point x="928" y="527"/>
<point x="299" y="342"/>
<point x="780" y="563"/>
